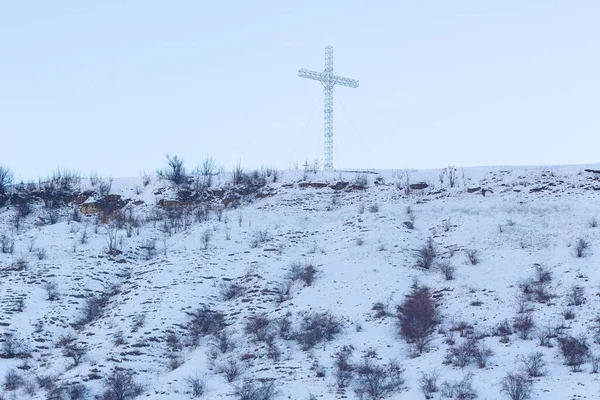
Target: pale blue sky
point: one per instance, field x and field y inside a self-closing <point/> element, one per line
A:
<point x="112" y="86"/>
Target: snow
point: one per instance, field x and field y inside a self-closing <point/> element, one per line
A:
<point x="512" y="228"/>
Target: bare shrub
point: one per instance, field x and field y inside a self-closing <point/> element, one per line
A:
<point x="472" y="256"/>
<point x="13" y="380"/>
<point x="174" y="171"/>
<point x="593" y="222"/>
<point x="259" y="325"/>
<point x="41" y="254"/>
<point x="517" y="386"/>
<point x="426" y="255"/>
<point x="542" y="274"/>
<point x="504" y="330"/>
<point x="256" y="390"/>
<point x="6" y="178"/>
<point x="148" y="248"/>
<point x="534" y="364"/>
<point x="417" y="317"/>
<point x="344" y="370"/>
<point x="447" y="269"/>
<point x="428" y="384"/>
<point x="568" y="314"/>
<point x="374" y="208"/>
<point x="375" y="382"/>
<point x="13" y="346"/>
<point x="205" y="238"/>
<point x="482" y="355"/>
<point x="576" y="296"/>
<point x="575" y="351"/>
<point x="462" y="354"/>
<point x="582" y="247"/>
<point x="306" y="272"/>
<point x="224" y="342"/>
<point x="231" y="368"/>
<point x="204" y="321"/>
<point x="260" y="237"/>
<point x="460" y="390"/>
<point x="93" y="307"/>
<point x="595" y="364"/>
<point x="52" y="217"/>
<point x="317" y="327"/>
<point x="7" y="244"/>
<point x="544" y="335"/>
<point x="524" y="325"/>
<point x="231" y="290"/>
<point x="75" y="352"/>
<point x="121" y="385"/>
<point x="196" y="385"/>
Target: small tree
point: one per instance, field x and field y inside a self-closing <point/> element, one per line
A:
<point x="417" y="317"/>
<point x="174" y="172"/>
<point x="516" y="386"/>
<point x="317" y="327"/>
<point x="344" y="370"/>
<point x="6" y="178"/>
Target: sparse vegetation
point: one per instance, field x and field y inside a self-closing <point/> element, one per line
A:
<point x="317" y="327"/>
<point x="374" y="381"/>
<point x="425" y="255"/>
<point x="517" y="386"/>
<point x="174" y="171"/>
<point x="306" y="272"/>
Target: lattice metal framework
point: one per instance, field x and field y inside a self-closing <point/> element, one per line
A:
<point x="329" y="80"/>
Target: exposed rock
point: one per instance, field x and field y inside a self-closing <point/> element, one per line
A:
<point x="473" y="190"/>
<point x="339" y="185"/>
<point x="138" y="202"/>
<point x="316" y="185"/>
<point x="169" y="204"/>
<point x="356" y="187"/>
<point x="92" y="208"/>
<point x="408" y="224"/>
<point x="593" y="171"/>
<point x="419" y="186"/>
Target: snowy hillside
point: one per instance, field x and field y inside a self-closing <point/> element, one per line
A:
<point x="250" y="287"/>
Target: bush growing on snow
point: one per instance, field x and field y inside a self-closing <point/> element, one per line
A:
<point x="517" y="386"/>
<point x="425" y="255"/>
<point x="417" y="317"/>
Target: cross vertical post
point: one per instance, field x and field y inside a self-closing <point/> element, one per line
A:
<point x="329" y="80"/>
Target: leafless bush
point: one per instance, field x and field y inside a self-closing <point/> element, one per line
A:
<point x="261" y="390"/>
<point x="196" y="385"/>
<point x="75" y="352"/>
<point x="149" y="249"/>
<point x="595" y="364"/>
<point x="7" y="244"/>
<point x="6" y="178"/>
<point x="13" y="380"/>
<point x="121" y="385"/>
<point x="517" y="386"/>
<point x="524" y="325"/>
<point x="425" y="256"/>
<point x="472" y="256"/>
<point x="174" y="171"/>
<point x="41" y="254"/>
<point x="51" y="288"/>
<point x="139" y="320"/>
<point x="417" y="317"/>
<point x="205" y="238"/>
<point x="375" y="382"/>
<point x="462" y="354"/>
<point x="306" y="272"/>
<point x="568" y="314"/>
<point x="204" y="321"/>
<point x="24" y="208"/>
<point x="576" y="296"/>
<point x="344" y="370"/>
<point x="92" y="309"/>
<point x="575" y="351"/>
<point x="224" y="342"/>
<point x="317" y="327"/>
<point x="582" y="247"/>
<point x="542" y="274"/>
<point x="534" y="364"/>
<point x="259" y="237"/>
<point x="231" y="290"/>
<point x="13" y="346"/>
<point x="544" y="335"/>
<point x="593" y="222"/>
<point x="482" y="355"/>
<point x="428" y="384"/>
<point x="447" y="269"/>
<point x="259" y="325"/>
<point x="52" y="217"/>
<point x="460" y="390"/>
<point x="374" y="208"/>
<point x="231" y="368"/>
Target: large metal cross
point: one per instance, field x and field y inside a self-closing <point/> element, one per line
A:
<point x="328" y="79"/>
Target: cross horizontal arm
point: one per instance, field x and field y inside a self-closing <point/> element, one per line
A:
<point x="340" y="80"/>
<point x="305" y="73"/>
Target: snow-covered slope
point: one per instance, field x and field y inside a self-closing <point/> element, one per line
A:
<point x="173" y="264"/>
